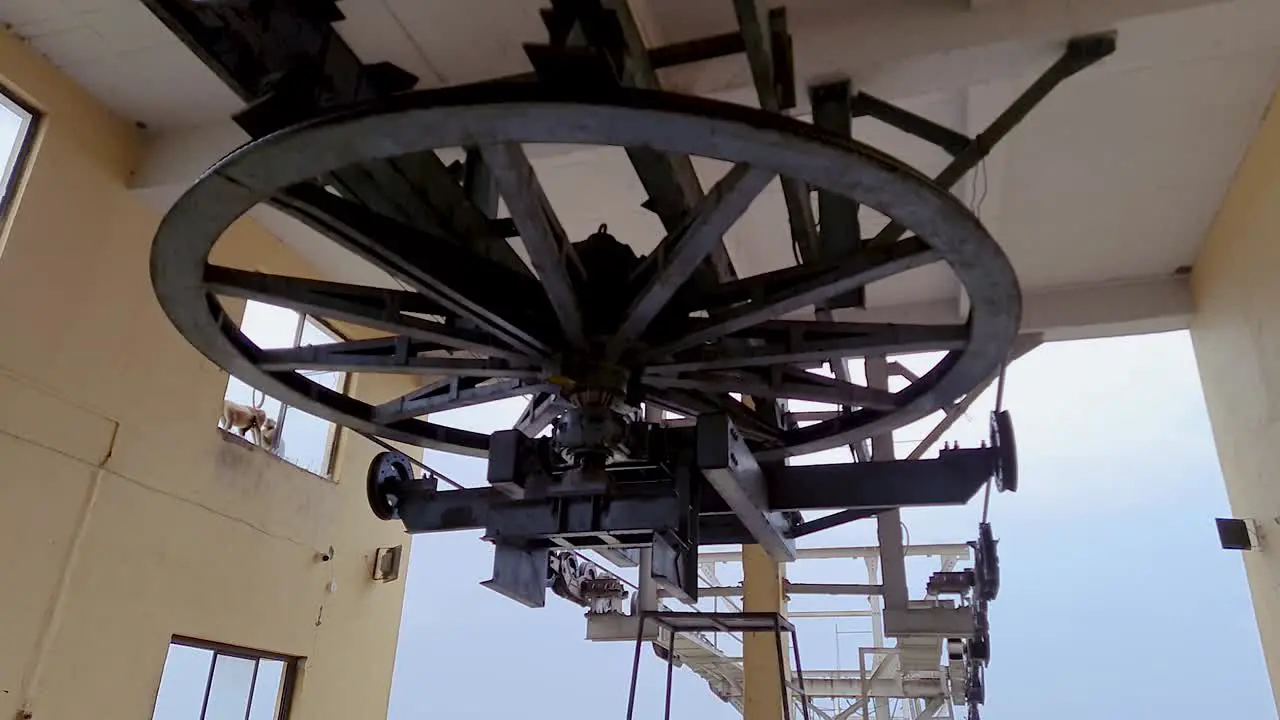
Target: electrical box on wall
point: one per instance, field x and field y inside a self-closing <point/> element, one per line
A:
<point x="386" y="563"/>
<point x="1237" y="534"/>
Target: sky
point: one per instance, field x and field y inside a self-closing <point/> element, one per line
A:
<point x="1114" y="592"/>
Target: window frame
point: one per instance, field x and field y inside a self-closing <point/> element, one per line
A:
<point x="330" y="442"/>
<point x="16" y="165"/>
<point x="288" y="680"/>
<point x="326" y="472"/>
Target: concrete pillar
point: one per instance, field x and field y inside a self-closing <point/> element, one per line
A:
<point x="1236" y="334"/>
<point x="762" y="583"/>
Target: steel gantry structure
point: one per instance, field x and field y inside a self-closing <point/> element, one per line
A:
<point x="601" y="339"/>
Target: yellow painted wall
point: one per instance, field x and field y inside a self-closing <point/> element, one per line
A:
<point x="125" y="516"/>
<point x="1236" y="333"/>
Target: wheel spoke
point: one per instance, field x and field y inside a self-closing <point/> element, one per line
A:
<point x="790" y="386"/>
<point x="549" y="249"/>
<point x="438" y="397"/>
<point x="798" y="384"/>
<point x="387" y="355"/>
<point x="468" y="219"/>
<point x="374" y="308"/>
<point x="730" y="294"/>
<point x="500" y="301"/>
<point x="542" y="409"/>
<point x="839" y="278"/>
<point x="681" y="252"/>
<point x="801" y="342"/>
<point x="419" y="190"/>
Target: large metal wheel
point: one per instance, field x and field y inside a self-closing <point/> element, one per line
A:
<point x="658" y="329"/>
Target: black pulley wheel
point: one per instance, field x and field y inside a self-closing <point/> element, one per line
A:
<point x="1006" y="447"/>
<point x="987" y="564"/>
<point x="389" y="473"/>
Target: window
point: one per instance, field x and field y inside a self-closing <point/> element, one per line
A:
<point x="300" y="437"/>
<point x="17" y="131"/>
<point x="210" y="681"/>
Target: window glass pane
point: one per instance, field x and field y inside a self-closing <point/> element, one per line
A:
<point x="331" y="380"/>
<point x="269" y="326"/>
<point x="186" y="672"/>
<point x="305" y="441"/>
<point x="313" y="333"/>
<point x="16" y="124"/>
<point x="266" y="690"/>
<point x="485" y="417"/>
<point x="239" y="392"/>
<point x="229" y="692"/>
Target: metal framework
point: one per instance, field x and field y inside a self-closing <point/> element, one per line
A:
<point x="682" y="487"/>
<point x="920" y="676"/>
<point x="700" y="623"/>
<point x="645" y="345"/>
<point x="598" y="337"/>
<point x="682" y="327"/>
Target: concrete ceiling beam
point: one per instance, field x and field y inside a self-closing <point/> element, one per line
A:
<point x="1088" y="310"/>
<point x="896" y="49"/>
<point x="889" y="48"/>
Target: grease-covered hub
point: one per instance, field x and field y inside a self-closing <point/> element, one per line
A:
<point x="607" y="272"/>
<point x="601" y="393"/>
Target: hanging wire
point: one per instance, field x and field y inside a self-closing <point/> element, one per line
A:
<point x="417" y="463"/>
<point x="976" y="198"/>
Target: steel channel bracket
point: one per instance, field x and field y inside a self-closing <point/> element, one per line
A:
<point x="520" y="574"/>
<point x="938" y="622"/>
<point x="664" y="499"/>
<point x="730" y="468"/>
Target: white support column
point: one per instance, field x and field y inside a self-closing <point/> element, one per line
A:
<point x="893" y="565"/>
<point x="647" y="589"/>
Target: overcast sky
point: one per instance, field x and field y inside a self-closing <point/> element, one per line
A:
<point x="1116" y="600"/>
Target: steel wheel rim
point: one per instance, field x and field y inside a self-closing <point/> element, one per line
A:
<point x="530" y="114"/>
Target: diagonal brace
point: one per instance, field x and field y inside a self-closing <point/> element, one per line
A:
<point x="731" y="469"/>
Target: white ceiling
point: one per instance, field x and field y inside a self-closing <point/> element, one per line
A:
<point x="1115" y="177"/>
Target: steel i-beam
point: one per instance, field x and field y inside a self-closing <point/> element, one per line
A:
<point x="730" y="468"/>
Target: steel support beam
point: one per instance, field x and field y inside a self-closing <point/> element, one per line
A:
<point x="840" y="234"/>
<point x="852" y="687"/>
<point x="797" y="589"/>
<point x="952" y="479"/>
<point x="520" y="574"/>
<point x="730" y="468"/>
<point x="961" y="550"/>
<point x="893" y="567"/>
<point x="769" y="57"/>
<point x="937" y="622"/>
<point x="1081" y="52"/>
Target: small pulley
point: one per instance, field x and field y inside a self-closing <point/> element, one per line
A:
<point x="389" y="474"/>
<point x="980" y="648"/>
<point x="975" y="688"/>
<point x="1002" y="441"/>
<point x="986" y="564"/>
